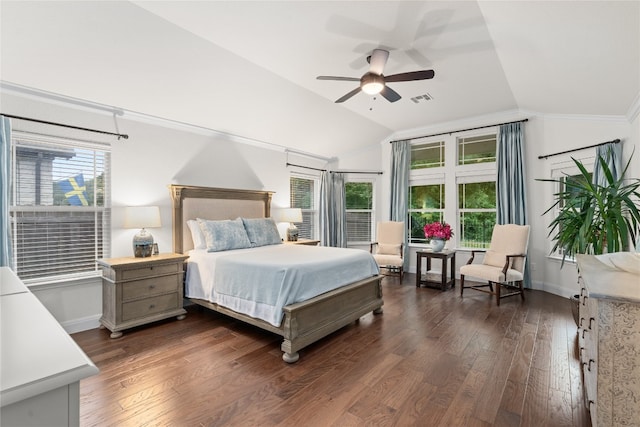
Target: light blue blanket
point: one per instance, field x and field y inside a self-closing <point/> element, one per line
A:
<point x="260" y="282"/>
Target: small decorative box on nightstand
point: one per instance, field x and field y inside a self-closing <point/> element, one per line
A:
<point x="136" y="291"/>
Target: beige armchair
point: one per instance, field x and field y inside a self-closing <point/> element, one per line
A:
<point x="388" y="250"/>
<point x="503" y="263"/>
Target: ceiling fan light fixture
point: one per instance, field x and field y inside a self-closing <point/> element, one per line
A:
<point x="372" y="84"/>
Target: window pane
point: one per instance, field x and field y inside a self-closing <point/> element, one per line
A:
<point x="359" y="226"/>
<point x="476" y="229"/>
<point x="426" y="197"/>
<point x="417" y="221"/>
<point x="359" y="195"/>
<point x="477" y="195"/>
<point x="60" y="208"/>
<point x="427" y="155"/>
<point x="302" y="195"/>
<point x="477" y="149"/>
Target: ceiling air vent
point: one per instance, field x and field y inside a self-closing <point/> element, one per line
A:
<point x="422" y="98"/>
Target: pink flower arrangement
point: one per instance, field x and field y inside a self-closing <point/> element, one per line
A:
<point x="438" y="230"/>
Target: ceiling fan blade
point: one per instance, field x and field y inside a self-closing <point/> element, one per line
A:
<point x="407" y="77"/>
<point x="344" y="79"/>
<point x="390" y="94"/>
<point x="349" y="95"/>
<point x="378" y="60"/>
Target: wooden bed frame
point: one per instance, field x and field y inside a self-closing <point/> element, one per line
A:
<point x="304" y="322"/>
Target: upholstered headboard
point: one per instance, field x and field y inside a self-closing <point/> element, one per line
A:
<point x="190" y="202"/>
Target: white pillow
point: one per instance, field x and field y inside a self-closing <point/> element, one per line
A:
<point x="197" y="236"/>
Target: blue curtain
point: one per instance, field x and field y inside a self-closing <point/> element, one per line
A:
<point x="511" y="192"/>
<point x="5" y="177"/>
<point x="333" y="221"/>
<point x="612" y="155"/>
<point x="399" y="180"/>
<point x="400" y="157"/>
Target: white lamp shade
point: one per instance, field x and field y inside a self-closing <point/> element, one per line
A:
<point x="290" y="215"/>
<point x="142" y="217"/>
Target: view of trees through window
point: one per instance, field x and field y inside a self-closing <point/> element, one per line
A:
<point x="359" y="207"/>
<point x="477" y="208"/>
<point x="426" y="204"/>
<point x="429" y="155"/>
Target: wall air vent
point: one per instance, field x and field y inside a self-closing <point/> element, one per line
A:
<point x="422" y="98"/>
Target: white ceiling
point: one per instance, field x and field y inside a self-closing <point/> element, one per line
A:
<point x="249" y="67"/>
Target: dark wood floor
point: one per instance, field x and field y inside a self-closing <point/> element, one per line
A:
<point x="432" y="359"/>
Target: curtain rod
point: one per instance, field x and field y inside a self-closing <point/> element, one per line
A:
<point x="615" y="141"/>
<point x="461" y="130"/>
<point x="338" y="171"/>
<point x="119" y="135"/>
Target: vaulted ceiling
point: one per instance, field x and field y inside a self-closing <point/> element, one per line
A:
<point x="249" y="67"/>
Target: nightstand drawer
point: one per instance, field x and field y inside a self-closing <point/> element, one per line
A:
<point x="149" y="287"/>
<point x="149" y="306"/>
<point x="153" y="270"/>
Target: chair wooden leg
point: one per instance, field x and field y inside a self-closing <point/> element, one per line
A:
<point x="522" y="289"/>
<point x="498" y="294"/>
<point x="491" y="286"/>
<point x="461" y="284"/>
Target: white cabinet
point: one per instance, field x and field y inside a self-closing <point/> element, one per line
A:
<point x="609" y="337"/>
<point x="40" y="364"/>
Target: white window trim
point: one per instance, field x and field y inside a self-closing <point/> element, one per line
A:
<point x="315" y="233"/>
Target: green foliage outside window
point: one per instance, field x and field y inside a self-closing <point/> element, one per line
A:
<point x="426" y="204"/>
<point x="359" y="195"/>
<point x="477" y="205"/>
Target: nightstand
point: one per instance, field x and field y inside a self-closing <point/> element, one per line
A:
<point x="137" y="291"/>
<point x="308" y="242"/>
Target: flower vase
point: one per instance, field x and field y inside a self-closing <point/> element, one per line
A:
<point x="437" y="245"/>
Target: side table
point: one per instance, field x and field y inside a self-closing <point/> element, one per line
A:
<point x="443" y="284"/>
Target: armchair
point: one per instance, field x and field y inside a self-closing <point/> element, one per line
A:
<point x="503" y="263"/>
<point x="388" y="251"/>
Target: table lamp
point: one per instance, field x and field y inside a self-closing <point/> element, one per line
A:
<point x="291" y="215"/>
<point x="142" y="217"/>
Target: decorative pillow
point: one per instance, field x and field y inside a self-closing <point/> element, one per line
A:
<point x="388" y="249"/>
<point x="496" y="259"/>
<point x="262" y="231"/>
<point x="224" y="235"/>
<point x="197" y="236"/>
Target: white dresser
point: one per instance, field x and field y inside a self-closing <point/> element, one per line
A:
<point x="40" y="364"/>
<point x="609" y="337"/>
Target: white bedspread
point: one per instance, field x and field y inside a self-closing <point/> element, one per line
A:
<point x="260" y="281"/>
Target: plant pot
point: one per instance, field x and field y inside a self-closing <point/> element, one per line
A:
<point x="575" y="308"/>
<point x="437" y="245"/>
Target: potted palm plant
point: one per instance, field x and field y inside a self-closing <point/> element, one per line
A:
<point x="594" y="218"/>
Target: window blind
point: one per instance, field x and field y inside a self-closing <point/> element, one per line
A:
<point x="60" y="205"/>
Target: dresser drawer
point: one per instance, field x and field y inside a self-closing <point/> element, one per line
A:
<point x="149" y="306"/>
<point x="151" y="286"/>
<point x="153" y="270"/>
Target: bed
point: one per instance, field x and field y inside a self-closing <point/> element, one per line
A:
<point x="302" y="323"/>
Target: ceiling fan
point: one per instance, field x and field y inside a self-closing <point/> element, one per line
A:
<point x="374" y="82"/>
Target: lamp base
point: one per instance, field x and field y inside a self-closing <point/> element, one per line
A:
<point x="142" y="244"/>
<point x="292" y="233"/>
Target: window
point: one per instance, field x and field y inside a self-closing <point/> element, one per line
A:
<point x="359" y="211"/>
<point x="303" y="194"/>
<point x="60" y="205"/>
<point x="429" y="155"/>
<point x="477" y="213"/>
<point x="426" y="204"/>
<point x="477" y="149"/>
<point x="570" y="184"/>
